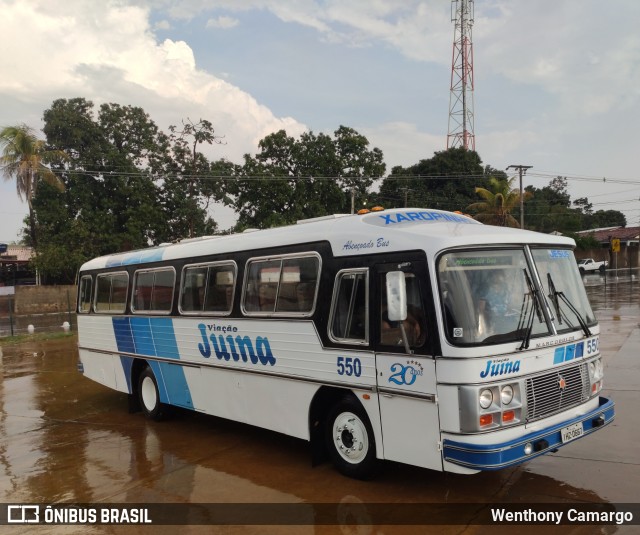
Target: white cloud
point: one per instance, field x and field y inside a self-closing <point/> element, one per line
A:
<point x="402" y="143"/>
<point x="544" y="43"/>
<point x="162" y="25"/>
<point x="106" y="51"/>
<point x="222" y="22"/>
<point x="551" y="45"/>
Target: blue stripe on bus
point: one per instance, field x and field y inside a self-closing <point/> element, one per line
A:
<point x="142" y="337"/>
<point x="124" y="338"/>
<point x="164" y="338"/>
<point x="567" y="353"/>
<point x="136" y="257"/>
<point x="153" y="337"/>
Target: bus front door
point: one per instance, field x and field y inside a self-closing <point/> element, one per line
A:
<point x="406" y="381"/>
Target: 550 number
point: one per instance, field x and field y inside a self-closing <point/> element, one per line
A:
<point x="349" y="366"/>
<point x="592" y="345"/>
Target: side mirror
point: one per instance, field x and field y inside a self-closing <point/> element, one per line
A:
<point x="396" y="296"/>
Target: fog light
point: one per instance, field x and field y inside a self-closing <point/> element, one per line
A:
<point x="541" y="445"/>
<point x="486" y="419"/>
<point x="599" y="421"/>
<point x="508" y="416"/>
<point x="528" y="448"/>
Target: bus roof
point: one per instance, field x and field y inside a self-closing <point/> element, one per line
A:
<point x="348" y="235"/>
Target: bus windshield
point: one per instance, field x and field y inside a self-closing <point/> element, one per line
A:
<point x="564" y="289"/>
<point x="488" y="297"/>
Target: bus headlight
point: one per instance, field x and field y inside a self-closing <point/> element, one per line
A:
<point x="595" y="370"/>
<point x="599" y="369"/>
<point x="506" y="394"/>
<point x="486" y="398"/>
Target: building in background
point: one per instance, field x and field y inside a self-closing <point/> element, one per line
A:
<point x="15" y="268"/>
<point x="620" y="246"/>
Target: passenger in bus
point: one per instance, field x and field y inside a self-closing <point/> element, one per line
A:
<point x="391" y="334"/>
<point x="494" y="302"/>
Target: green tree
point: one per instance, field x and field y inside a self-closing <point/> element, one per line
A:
<point x="110" y="202"/>
<point x="358" y="166"/>
<point x="128" y="185"/>
<point x="24" y="158"/>
<point x="605" y="218"/>
<point x="500" y="199"/>
<point x="446" y="181"/>
<point x="187" y="191"/>
<point x="315" y="175"/>
<point x="548" y="209"/>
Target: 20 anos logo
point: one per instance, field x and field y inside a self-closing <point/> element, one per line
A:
<point x="405" y="374"/>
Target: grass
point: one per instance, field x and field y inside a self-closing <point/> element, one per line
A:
<point x="19" y="338"/>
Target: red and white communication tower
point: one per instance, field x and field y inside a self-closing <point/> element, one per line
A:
<point x="461" y="96"/>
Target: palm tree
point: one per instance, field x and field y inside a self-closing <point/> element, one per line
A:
<point x="23" y="159"/>
<point x="498" y="203"/>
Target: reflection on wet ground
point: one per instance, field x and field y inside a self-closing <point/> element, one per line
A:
<point x="64" y="438"/>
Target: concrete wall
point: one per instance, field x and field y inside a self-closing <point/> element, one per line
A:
<point x="44" y="299"/>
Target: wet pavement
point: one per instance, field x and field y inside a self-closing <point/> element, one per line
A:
<point x="64" y="438"/>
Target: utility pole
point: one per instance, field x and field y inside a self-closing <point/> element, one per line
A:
<point x="522" y="170"/>
<point x="405" y="190"/>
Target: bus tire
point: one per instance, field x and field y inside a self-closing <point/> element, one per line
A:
<point x="150" y="396"/>
<point x="350" y="439"/>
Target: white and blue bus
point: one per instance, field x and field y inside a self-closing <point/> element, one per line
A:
<point x="414" y="335"/>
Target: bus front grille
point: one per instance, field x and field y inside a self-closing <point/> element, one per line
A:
<point x="557" y="391"/>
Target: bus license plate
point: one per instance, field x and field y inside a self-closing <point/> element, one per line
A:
<point x="571" y="432"/>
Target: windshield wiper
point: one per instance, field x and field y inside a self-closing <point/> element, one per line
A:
<point x="554" y="294"/>
<point x="531" y="313"/>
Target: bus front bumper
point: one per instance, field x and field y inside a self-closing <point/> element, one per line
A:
<point x="501" y="455"/>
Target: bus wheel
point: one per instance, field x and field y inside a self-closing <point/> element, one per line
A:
<point x="149" y="395"/>
<point x="350" y="440"/>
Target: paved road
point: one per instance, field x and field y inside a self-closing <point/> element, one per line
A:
<point x="67" y="439"/>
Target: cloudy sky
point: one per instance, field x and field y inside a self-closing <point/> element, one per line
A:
<point x="557" y="84"/>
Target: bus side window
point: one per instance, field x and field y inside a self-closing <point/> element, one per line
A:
<point x="208" y="288"/>
<point x="350" y="308"/>
<point x="220" y="285"/>
<point x="111" y="292"/>
<point x="193" y="287"/>
<point x="153" y="290"/>
<point x="85" y="294"/>
<point x="267" y="296"/>
<point x="285" y="286"/>
<point x="305" y="293"/>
